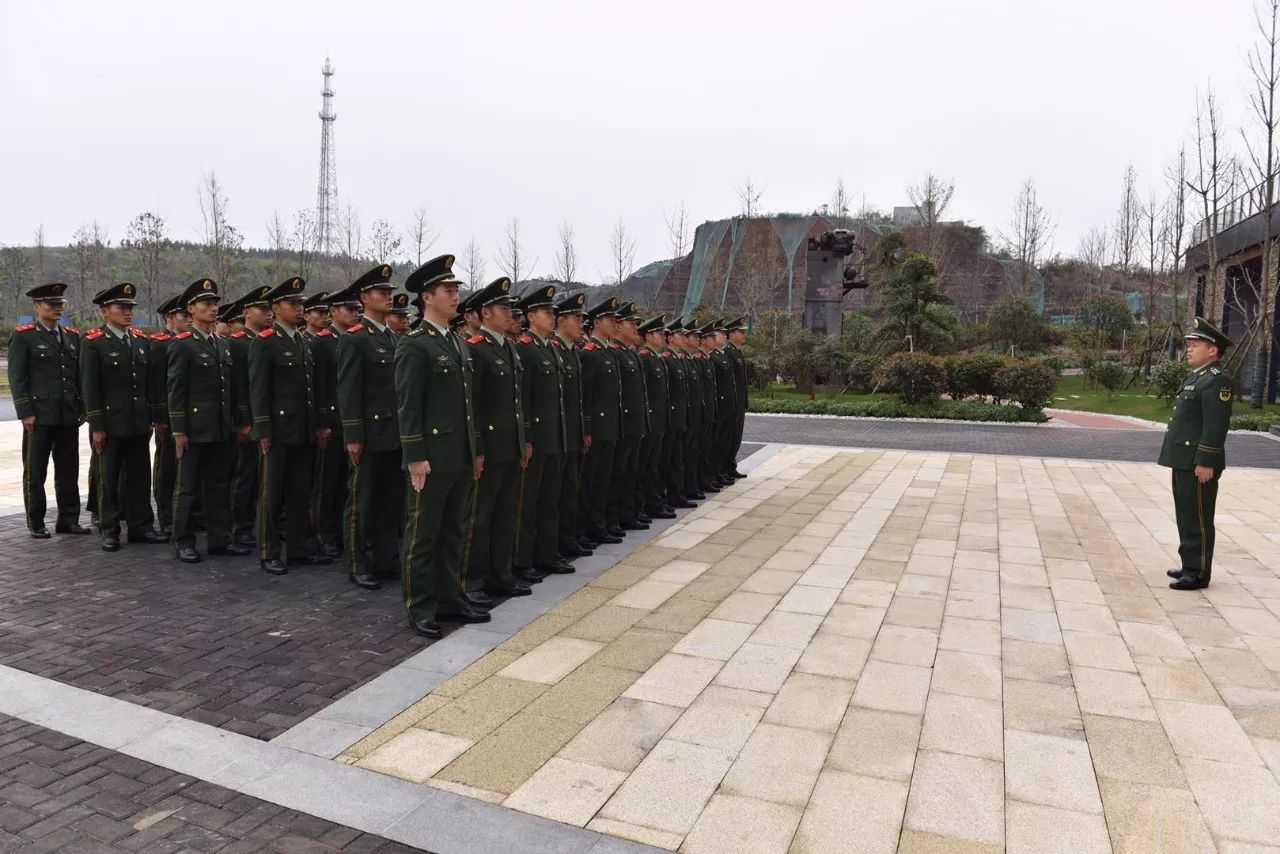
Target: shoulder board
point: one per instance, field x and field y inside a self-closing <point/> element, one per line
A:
<point x="72" y="330"/>
<point x="1215" y="370"/>
<point x="698" y="355"/>
<point x="182" y="336"/>
<point x="555" y="342"/>
<point x="476" y="339"/>
<point x="164" y="336"/>
<point x="94" y="334"/>
<point x="325" y="333"/>
<point x="26" y="327"/>
<point x="525" y="339"/>
<point x="239" y="333"/>
<point x="417" y="331"/>
<point x="266" y="333"/>
<point x="136" y="333"/>
<point x="615" y="346"/>
<point x="646" y="352"/>
<point x="359" y="327"/>
<point x="591" y="345"/>
<point x="667" y="354"/>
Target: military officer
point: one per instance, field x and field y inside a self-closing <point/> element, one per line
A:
<point x="699" y="410"/>
<point x="624" y="512"/>
<point x="737" y="339"/>
<point x="325" y="514"/>
<point x="254" y="312"/>
<point x="281" y="373"/>
<point x="398" y="318"/>
<point x="371" y="435"/>
<point x="44" y="378"/>
<point x="122" y="405"/>
<point x="344" y="313"/>
<point x="652" y="477"/>
<point x="672" y="461"/>
<point x="1194" y="447"/>
<point x="569" y="311"/>
<point x="726" y="407"/>
<point x="164" y="468"/>
<point x="602" y="416"/>
<point x="502" y="447"/>
<point x="203" y="416"/>
<point x="470" y="315"/>
<point x="710" y="411"/>
<point x="228" y="320"/>
<point x="439" y="444"/>
<point x="542" y="387"/>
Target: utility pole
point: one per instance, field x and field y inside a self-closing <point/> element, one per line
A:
<point x="327" y="191"/>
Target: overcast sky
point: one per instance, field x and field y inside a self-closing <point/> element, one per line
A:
<point x="559" y="110"/>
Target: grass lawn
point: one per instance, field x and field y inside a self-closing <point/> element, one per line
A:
<point x="1072" y="394"/>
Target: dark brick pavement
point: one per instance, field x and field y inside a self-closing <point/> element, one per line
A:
<point x="61" y="794"/>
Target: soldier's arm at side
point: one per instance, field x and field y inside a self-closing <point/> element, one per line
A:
<point x="239" y="388"/>
<point x="260" y="387"/>
<point x="350" y="359"/>
<point x="157" y="381"/>
<point x="478" y="372"/>
<point x="90" y="391"/>
<point x="1215" y="419"/>
<point x="529" y="356"/>
<point x="176" y="381"/>
<point x="587" y="372"/>
<point x="410" y="372"/>
<point x="19" y="381"/>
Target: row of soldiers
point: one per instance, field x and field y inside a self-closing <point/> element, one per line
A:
<point x="532" y="430"/>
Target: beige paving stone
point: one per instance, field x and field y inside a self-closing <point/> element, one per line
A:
<point x="676" y="680"/>
<point x="918" y="842"/>
<point x="1043" y="707"/>
<point x="1083" y="590"/>
<point x="758" y="667"/>
<point x="829" y="824"/>
<point x="973" y="606"/>
<point x="1136" y="608"/>
<point x="1026" y="597"/>
<point x="772" y="581"/>
<point x="1251" y="621"/>
<point x="971" y="559"/>
<point x="472" y="676"/>
<point x="1036" y="829"/>
<point x="622" y="734"/>
<point x="1034" y="626"/>
<point x="1237" y="801"/>
<point x="790" y="560"/>
<point x="717" y="639"/>
<point x="1155" y="641"/>
<point x="622" y="576"/>
<point x="833" y="575"/>
<point x="855" y="621"/>
<point x="680" y="540"/>
<point x="401" y="722"/>
<point x="746" y="607"/>
<point x="975" y="580"/>
<point x="957" y="796"/>
<point x="508" y="756"/>
<point x="876" y="569"/>
<point x="976" y="636"/>
<point x="1091" y="619"/>
<point x="966" y="674"/>
<point x="637" y="833"/>
<point x="1237" y="667"/>
<point x="670" y="788"/>
<point x="964" y="725"/>
<point x="1105" y="651"/>
<point x="637" y="649"/>
<point x="718" y="720"/>
<point x="415" y="754"/>
<point x="604" y="624"/>
<point x="551" y="660"/>
<point x="877" y="594"/>
<point x="1050" y="770"/>
<point x="829" y="654"/>
<point x="646" y="595"/>
<point x="929" y="565"/>
<point x="779" y="764"/>
<point x="905" y="645"/>
<point x="876" y="744"/>
<point x="804" y="599"/>
<point x="1142" y="818"/>
<point x="484" y="708"/>
<point x="786" y="629"/>
<point x="893" y="687"/>
<point x="584" y="693"/>
<point x="731" y="824"/>
<point x="653" y="556"/>
<point x="1204" y="731"/>
<point x="571" y="792"/>
<point x="677" y="614"/>
<point x="814" y="702"/>
<point x="709" y="588"/>
<point x="1132" y="751"/>
<point x="1178" y="680"/>
<point x="1035" y="661"/>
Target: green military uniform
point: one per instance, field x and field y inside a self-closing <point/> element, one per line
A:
<point x="699" y="411"/>
<point x="656" y="381"/>
<point x="575" y="448"/>
<point x="325" y="512"/>
<point x="726" y="417"/>
<point x="123" y="402"/>
<point x="203" y="400"/>
<point x="433" y="390"/>
<point x="246" y="456"/>
<point x="44" y="378"/>
<point x="542" y="388"/>
<point x="623" y="511"/>
<point x="710" y="415"/>
<point x="164" y="466"/>
<point x="739" y="361"/>
<point x="367" y="404"/>
<point x="284" y="412"/>
<point x="672" y="462"/>
<point x="601" y="415"/>
<point x="1197" y="437"/>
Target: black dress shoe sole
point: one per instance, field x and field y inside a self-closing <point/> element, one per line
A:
<point x="70" y="531"/>
<point x="195" y="559"/>
<point x="459" y="618"/>
<point x="1173" y="573"/>
<point x="1188" y="584"/>
<point x="434" y="634"/>
<point x="114" y="548"/>
<point x="40" y="535"/>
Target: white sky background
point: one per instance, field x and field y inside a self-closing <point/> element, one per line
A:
<point x="556" y="110"/>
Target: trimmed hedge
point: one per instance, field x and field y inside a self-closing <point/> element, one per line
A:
<point x="1256" y="421"/>
<point x="946" y="410"/>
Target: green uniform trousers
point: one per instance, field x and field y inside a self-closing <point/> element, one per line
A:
<point x="244" y="488"/>
<point x="329" y="495"/>
<point x="374" y="514"/>
<point x="597" y="473"/>
<point x="124" y="486"/>
<point x="434" y="538"/>
<point x="164" y="478"/>
<point x="1194" y="504"/>
<point x="202" y="484"/>
<point x="491" y="539"/>
<point x="570" y="489"/>
<point x="62" y="443"/>
<point x="283" y="490"/>
<point x="538" y="534"/>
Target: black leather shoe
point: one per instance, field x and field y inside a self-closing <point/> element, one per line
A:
<point x="682" y="504"/>
<point x="518" y="588"/>
<point x="736" y="474"/>
<point x="246" y="540"/>
<point x="644" y="518"/>
<point x="559" y="568"/>
<point x="699" y="496"/>
<point x="151" y="538"/>
<point x="616" y="531"/>
<point x="188" y="554"/>
<point x="232" y="549"/>
<point x="316" y="560"/>
<point x="478" y="599"/>
<point x="110" y="543"/>
<point x="428" y="629"/>
<point x="610" y="537"/>
<point x="1174" y="573"/>
<point x="589" y="544"/>
<point x="40" y="534"/>
<point x="664" y="513"/>
<point x="574" y="550"/>
<point x="365" y="580"/>
<point x="527" y="574"/>
<point x="329" y="550"/>
<point x="275" y="566"/>
<point x="93" y="519"/>
<point x="467" y="615"/>
<point x="1189" y="582"/>
<point x="72" y="529"/>
<point x="709" y="488"/>
<point x="167" y="533"/>
<point x="634" y="526"/>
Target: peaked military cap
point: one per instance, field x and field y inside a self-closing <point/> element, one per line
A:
<point x="718" y="325"/>
<point x="606" y="308"/>
<point x="290" y="289"/>
<point x="627" y="311"/>
<point x="317" y="302"/>
<point x="400" y="304"/>
<point x="437" y="271"/>
<point x="348" y="296"/>
<point x="228" y="312"/>
<point x="52" y="292"/>
<point x="497" y="292"/>
<point x="517" y="312"/>
<point x="737" y="325"/>
<point x="676" y="327"/>
<point x="653" y="324"/>
<point x="256" y="297"/>
<point x="378" y="277"/>
<point x="708" y="329"/>
<point x="543" y="296"/>
<point x="200" y="289"/>
<point x="456" y="321"/>
<point x="172" y="304"/>
<point x="692" y="328"/>
<point x="575" y="303"/>
<point x="124" y="293"/>
<point x="1206" y="331"/>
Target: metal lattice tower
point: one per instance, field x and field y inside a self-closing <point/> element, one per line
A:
<point x="327" y="190"/>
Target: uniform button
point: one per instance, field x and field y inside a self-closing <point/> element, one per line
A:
<point x="490" y="426"/>
<point x="434" y="431"/>
<point x="282" y="412"/>
<point x="375" y="418"/>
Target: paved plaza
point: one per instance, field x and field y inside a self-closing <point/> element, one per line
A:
<point x="854" y="649"/>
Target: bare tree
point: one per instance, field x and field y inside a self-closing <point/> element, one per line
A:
<point x="840" y="202"/>
<point x="511" y="256"/>
<point x="42" y="265"/>
<point x="757" y="272"/>
<point x="222" y="240"/>
<point x="351" y="242"/>
<point x="422" y="236"/>
<point x="931" y="197"/>
<point x="278" y="243"/>
<point x="1213" y="183"/>
<point x="1093" y="252"/>
<point x="749" y="195"/>
<point x="303" y="241"/>
<point x="384" y="243"/>
<point x="678" y="231"/>
<point x="1030" y="233"/>
<point x="473" y="264"/>
<point x="148" y="248"/>
<point x="1128" y="221"/>
<point x="567" y="255"/>
<point x="82" y="247"/>
<point x="1175" y="227"/>
<point x="622" y="251"/>
<point x="1153" y="220"/>
<point x="15" y="273"/>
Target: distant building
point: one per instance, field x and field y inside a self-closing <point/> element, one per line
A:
<point x="906" y="217"/>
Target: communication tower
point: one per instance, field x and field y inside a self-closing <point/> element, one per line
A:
<point x="327" y="191"/>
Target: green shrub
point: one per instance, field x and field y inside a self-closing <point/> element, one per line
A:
<point x="860" y="372"/>
<point x="1028" y="383"/>
<point x="1108" y="374"/>
<point x="970" y="374"/>
<point x="1258" y="421"/>
<point x="948" y="410"/>
<point x="1167" y="378"/>
<point x="1057" y="364"/>
<point x="914" y="377"/>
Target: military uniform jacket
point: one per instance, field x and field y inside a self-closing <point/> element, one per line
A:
<point x="238" y="343"/>
<point x="367" y="387"/>
<point x="160" y="344"/>
<point x="117" y="383"/>
<point x="1201" y="416"/>
<point x="696" y="400"/>
<point x="707" y="371"/>
<point x="726" y="395"/>
<point x="655" y="386"/>
<point x="202" y="390"/>
<point x="542" y="385"/>
<point x="280" y="393"/>
<point x="635" y="410"/>
<point x="44" y="374"/>
<point x="677" y="390"/>
<point x="324" y="378"/>
<point x="571" y="383"/>
<point x="496" y="375"/>
<point x="433" y="389"/>
<point x="739" y="362"/>
<point x="601" y="392"/>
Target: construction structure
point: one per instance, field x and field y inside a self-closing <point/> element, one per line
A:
<point x="327" y="188"/>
